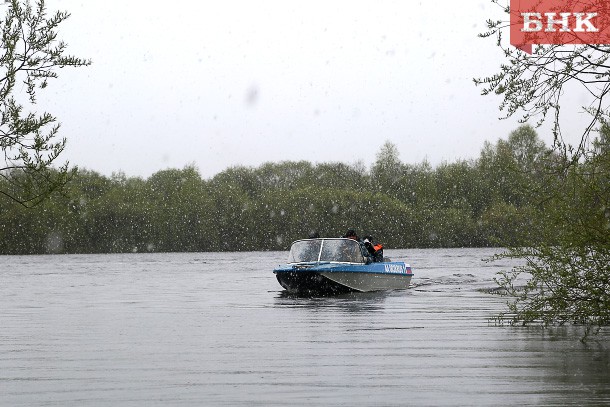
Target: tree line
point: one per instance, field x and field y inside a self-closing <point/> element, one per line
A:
<point x="487" y="201"/>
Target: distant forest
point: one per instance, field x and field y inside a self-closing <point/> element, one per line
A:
<point x="494" y="199"/>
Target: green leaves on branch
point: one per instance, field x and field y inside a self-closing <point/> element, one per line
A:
<point x="535" y="86"/>
<point x="30" y="54"/>
<point x="566" y="272"/>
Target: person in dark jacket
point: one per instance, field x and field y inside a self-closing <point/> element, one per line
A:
<point x="351" y="234"/>
<point x="375" y="249"/>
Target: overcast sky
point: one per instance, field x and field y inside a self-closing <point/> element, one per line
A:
<point x="224" y="83"/>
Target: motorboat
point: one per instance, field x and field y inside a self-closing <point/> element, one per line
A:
<point x="339" y="265"/>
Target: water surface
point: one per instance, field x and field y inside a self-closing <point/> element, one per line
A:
<point x="217" y="329"/>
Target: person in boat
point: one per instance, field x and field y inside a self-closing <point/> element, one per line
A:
<point x="374" y="249"/>
<point x="351" y="234"/>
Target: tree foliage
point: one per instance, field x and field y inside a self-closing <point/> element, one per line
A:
<point x="30" y="54"/>
<point x="535" y="86"/>
<point x="566" y="273"/>
<point x="266" y="208"/>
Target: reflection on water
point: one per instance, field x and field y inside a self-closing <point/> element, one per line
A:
<point x="351" y="302"/>
<point x="217" y="329"/>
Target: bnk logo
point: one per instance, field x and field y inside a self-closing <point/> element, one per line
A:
<point x="559" y="22"/>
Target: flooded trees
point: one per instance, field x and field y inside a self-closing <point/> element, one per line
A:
<point x="30" y="54"/>
<point x="567" y="270"/>
<point x="266" y="208"/>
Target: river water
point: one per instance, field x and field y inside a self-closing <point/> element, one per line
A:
<point x="195" y="329"/>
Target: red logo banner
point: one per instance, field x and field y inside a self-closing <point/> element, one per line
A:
<point x="559" y="22"/>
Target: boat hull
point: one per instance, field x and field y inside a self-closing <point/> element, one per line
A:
<point x="370" y="281"/>
<point x="341" y="278"/>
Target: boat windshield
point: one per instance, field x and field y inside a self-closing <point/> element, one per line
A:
<point x="340" y="250"/>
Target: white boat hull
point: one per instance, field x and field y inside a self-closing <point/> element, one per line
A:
<point x="369" y="281"/>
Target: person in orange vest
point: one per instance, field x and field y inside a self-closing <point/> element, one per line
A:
<point x="375" y="249"/>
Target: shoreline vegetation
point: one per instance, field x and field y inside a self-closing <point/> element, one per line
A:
<point x="489" y="201"/>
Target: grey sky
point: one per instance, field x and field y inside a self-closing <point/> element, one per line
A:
<point x="222" y="83"/>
